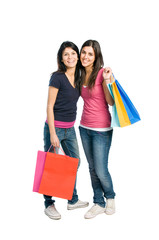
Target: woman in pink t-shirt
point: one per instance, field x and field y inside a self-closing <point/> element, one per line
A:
<point x="95" y="126"/>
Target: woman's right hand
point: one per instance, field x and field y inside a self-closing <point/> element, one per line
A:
<point x="54" y="140"/>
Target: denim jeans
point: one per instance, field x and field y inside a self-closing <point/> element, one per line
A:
<point x="68" y="141"/>
<point x="96" y="146"/>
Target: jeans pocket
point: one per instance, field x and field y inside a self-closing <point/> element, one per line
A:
<point x="59" y="131"/>
<point x="106" y="133"/>
<point x="107" y="137"/>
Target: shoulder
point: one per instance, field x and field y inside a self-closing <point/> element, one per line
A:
<point x="99" y="78"/>
<point x="56" y="78"/>
<point x="100" y="72"/>
<point x="57" y="75"/>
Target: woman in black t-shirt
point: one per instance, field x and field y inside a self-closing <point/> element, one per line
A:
<point x="61" y="114"/>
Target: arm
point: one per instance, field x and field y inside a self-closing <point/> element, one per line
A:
<point x="107" y="79"/>
<point x="108" y="96"/>
<point x="52" y="94"/>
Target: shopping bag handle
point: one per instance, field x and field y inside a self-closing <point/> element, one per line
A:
<point x="112" y="76"/>
<point x="55" y="150"/>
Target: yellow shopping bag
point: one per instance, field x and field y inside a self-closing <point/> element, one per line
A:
<point x="122" y="114"/>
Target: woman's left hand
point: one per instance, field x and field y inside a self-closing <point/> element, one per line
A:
<point x="107" y="74"/>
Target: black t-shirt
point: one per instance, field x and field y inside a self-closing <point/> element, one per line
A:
<point x="66" y="102"/>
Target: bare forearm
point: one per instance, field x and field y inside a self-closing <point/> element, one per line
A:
<point x="108" y="96"/>
<point x="50" y="116"/>
<point x="50" y="119"/>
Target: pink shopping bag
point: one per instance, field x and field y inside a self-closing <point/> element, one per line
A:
<point x="41" y="156"/>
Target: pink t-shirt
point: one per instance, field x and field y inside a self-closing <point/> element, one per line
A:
<point x="60" y="124"/>
<point x="96" y="111"/>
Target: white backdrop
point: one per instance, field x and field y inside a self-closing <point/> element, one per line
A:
<point x="31" y="33"/>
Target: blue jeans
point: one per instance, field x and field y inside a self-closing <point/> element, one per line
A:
<point x="68" y="141"/>
<point x="96" y="147"/>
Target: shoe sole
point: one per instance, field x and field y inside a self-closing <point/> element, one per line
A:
<point x="72" y="208"/>
<point x="93" y="216"/>
<point x="54" y="218"/>
<point x="109" y="213"/>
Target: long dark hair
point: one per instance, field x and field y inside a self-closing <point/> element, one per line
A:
<point x="97" y="65"/>
<point x="61" y="66"/>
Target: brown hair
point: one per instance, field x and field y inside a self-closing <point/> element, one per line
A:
<point x="97" y="65"/>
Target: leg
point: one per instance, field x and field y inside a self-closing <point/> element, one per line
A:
<point x="101" y="147"/>
<point x="48" y="199"/>
<point x="87" y="141"/>
<point x="70" y="147"/>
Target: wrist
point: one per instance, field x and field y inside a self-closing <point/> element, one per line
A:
<point x="107" y="78"/>
<point x="53" y="133"/>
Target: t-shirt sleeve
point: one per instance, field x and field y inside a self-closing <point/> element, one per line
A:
<point x="55" y="81"/>
<point x="101" y="76"/>
<point x="99" y="79"/>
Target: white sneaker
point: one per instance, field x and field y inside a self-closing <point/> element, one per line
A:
<point x="110" y="206"/>
<point x="52" y="213"/>
<point x="78" y="204"/>
<point x="94" y="211"/>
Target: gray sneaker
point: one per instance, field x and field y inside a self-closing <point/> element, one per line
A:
<point x="110" y="206"/>
<point x="52" y="213"/>
<point x="94" y="211"/>
<point x="78" y="204"/>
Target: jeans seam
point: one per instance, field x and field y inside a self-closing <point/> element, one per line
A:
<point x="65" y="133"/>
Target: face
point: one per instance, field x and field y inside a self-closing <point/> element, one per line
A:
<point x="87" y="56"/>
<point x="69" y="57"/>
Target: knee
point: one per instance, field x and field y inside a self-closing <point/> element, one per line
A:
<point x="103" y="175"/>
<point x="92" y="171"/>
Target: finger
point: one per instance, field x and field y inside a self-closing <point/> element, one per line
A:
<point x="54" y="144"/>
<point x="57" y="144"/>
<point x="108" y="69"/>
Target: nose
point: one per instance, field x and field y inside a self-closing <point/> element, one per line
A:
<point x="85" y="56"/>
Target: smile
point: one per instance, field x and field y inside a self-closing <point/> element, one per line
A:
<point x="85" y="61"/>
<point x="71" y="62"/>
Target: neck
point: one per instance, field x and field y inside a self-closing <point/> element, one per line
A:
<point x="89" y="70"/>
<point x="70" y="71"/>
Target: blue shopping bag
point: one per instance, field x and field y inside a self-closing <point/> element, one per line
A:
<point x="130" y="108"/>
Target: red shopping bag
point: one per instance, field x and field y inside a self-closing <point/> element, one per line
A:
<point x="59" y="175"/>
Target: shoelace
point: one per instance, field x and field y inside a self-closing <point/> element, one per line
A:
<point x="94" y="208"/>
